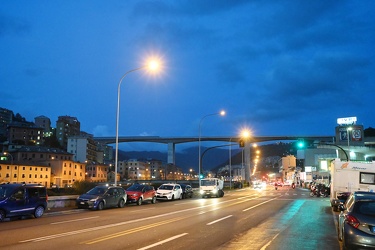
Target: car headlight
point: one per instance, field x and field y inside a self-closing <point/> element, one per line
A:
<point x="214" y="191"/>
<point x="201" y="191"/>
<point x="94" y="200"/>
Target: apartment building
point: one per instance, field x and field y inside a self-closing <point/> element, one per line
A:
<point x="45" y="123"/>
<point x="97" y="173"/>
<point x="63" y="170"/>
<point x="24" y="133"/>
<point x="6" y="117"/>
<point x="84" y="149"/>
<point x="67" y="126"/>
<point x="14" y="173"/>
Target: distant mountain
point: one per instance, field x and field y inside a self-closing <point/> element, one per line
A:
<point x="186" y="159"/>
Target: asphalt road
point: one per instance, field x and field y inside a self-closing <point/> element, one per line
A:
<point x="242" y="219"/>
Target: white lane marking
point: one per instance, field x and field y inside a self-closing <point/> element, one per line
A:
<point x="68" y="221"/>
<point x="213" y="222"/>
<point x="54" y="236"/>
<point x="259" y="204"/>
<point x="141" y="210"/>
<point x="269" y="243"/>
<point x="163" y="241"/>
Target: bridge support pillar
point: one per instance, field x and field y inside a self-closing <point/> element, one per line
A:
<point x="247" y="162"/>
<point x="171" y="153"/>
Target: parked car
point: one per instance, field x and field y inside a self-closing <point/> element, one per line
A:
<point x="101" y="197"/>
<point x="356" y="225"/>
<point x="187" y="191"/>
<point x="22" y="199"/>
<point x="169" y="191"/>
<point x="139" y="193"/>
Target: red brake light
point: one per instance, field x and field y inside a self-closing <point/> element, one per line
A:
<point x="351" y="220"/>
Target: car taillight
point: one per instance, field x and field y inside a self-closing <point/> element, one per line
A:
<point x="47" y="197"/>
<point x="351" y="220"/>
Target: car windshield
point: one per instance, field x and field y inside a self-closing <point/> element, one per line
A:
<point x="365" y="207"/>
<point x="135" y="188"/>
<point x="97" y="191"/>
<point x="166" y="187"/>
<point x="207" y="183"/>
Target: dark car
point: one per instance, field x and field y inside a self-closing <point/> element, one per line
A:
<point x="187" y="191"/>
<point x="101" y="197"/>
<point x="22" y="199"/>
<point x="356" y="225"/>
<point x="138" y="193"/>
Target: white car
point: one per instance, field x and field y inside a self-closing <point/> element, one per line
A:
<point x="169" y="192"/>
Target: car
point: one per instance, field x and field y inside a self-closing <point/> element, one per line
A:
<point x="187" y="191"/>
<point x="169" y="191"/>
<point x="138" y="193"/>
<point x="259" y="185"/>
<point x="356" y="224"/>
<point x="101" y="197"/>
<point x="22" y="199"/>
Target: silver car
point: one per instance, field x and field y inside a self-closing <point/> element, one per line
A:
<point x="356" y="226"/>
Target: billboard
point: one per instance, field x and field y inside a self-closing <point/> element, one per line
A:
<point x="351" y="134"/>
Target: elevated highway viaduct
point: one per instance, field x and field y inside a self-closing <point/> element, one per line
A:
<point x="172" y="141"/>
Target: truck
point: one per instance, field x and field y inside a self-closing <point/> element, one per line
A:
<point x="211" y="187"/>
<point x="350" y="176"/>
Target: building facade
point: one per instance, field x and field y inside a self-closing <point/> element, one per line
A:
<point x="83" y="148"/>
<point x="67" y="126"/>
<point x="6" y="117"/>
<point x="96" y="173"/>
<point x="24" y="133"/>
<point x="25" y="173"/>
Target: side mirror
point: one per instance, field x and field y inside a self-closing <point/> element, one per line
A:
<point x="341" y="207"/>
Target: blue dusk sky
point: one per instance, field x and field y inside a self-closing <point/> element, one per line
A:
<point x="276" y="67"/>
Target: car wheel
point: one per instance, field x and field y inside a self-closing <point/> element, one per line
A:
<point x="139" y="201"/>
<point x="2" y="215"/>
<point x="39" y="211"/>
<point x="101" y="205"/>
<point x="121" y="203"/>
<point x="153" y="201"/>
<point x="184" y="196"/>
<point x="181" y="197"/>
<point x="172" y="197"/>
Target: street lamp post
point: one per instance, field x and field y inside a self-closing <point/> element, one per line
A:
<point x="230" y="163"/>
<point x="11" y="157"/>
<point x="348" y="136"/>
<point x="222" y="113"/>
<point x="152" y="65"/>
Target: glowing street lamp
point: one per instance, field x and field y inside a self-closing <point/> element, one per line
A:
<point x="222" y="113"/>
<point x="152" y="65"/>
<point x="11" y="157"/>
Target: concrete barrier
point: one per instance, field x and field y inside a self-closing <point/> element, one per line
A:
<point x="62" y="201"/>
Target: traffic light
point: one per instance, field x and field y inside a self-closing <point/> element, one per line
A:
<point x="301" y="144"/>
<point x="201" y="176"/>
<point x="242" y="143"/>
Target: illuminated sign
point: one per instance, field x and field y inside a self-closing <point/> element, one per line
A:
<point x="347" y="120"/>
